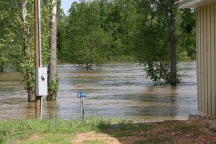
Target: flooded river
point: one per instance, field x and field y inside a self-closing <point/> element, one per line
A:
<point x="119" y="89"/>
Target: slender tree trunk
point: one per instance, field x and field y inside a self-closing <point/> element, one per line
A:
<point x="169" y="10"/>
<point x="29" y="74"/>
<point x="173" y="79"/>
<point x="53" y="57"/>
<point x="31" y="96"/>
<point x="2" y="67"/>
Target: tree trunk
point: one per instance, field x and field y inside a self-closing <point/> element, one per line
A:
<point x="53" y="57"/>
<point x="170" y="13"/>
<point x="31" y="92"/>
<point x="2" y="67"/>
<point x="28" y="73"/>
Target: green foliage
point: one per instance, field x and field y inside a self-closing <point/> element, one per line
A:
<point x="85" y="40"/>
<point x="187" y="42"/>
<point x="9" y="40"/>
<point x="53" y="87"/>
<point x="104" y="30"/>
<point x="96" y="32"/>
<point x="159" y="72"/>
<point x="61" y="30"/>
<point x="27" y="59"/>
<point x="152" y="40"/>
<point x="17" y="48"/>
<point x="151" y="44"/>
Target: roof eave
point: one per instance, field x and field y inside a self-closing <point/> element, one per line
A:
<point x="188" y="3"/>
<point x="193" y="3"/>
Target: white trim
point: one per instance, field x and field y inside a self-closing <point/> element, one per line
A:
<point x="187" y="3"/>
<point x="193" y="3"/>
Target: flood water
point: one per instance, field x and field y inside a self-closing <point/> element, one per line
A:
<point x="115" y="90"/>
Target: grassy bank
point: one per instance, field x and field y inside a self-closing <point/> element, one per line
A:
<point x="51" y="132"/>
<point x="103" y="131"/>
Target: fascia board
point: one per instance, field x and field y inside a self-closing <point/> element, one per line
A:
<point x="193" y="3"/>
<point x="188" y="3"/>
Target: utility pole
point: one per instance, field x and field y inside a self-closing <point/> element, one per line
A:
<point x="41" y="72"/>
<point x="37" y="58"/>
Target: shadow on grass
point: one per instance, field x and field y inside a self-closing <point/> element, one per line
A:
<point x="156" y="133"/>
<point x="136" y="133"/>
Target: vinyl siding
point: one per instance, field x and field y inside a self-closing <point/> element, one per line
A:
<point x="206" y="58"/>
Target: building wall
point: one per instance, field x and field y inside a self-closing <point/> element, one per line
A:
<point x="206" y="58"/>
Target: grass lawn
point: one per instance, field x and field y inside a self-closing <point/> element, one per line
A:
<point x="106" y="131"/>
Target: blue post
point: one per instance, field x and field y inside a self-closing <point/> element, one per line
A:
<point x="81" y="95"/>
<point x="81" y="109"/>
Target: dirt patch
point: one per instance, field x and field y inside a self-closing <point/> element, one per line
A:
<point x="35" y="137"/>
<point x="92" y="136"/>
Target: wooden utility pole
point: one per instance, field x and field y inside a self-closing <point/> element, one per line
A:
<point x="37" y="55"/>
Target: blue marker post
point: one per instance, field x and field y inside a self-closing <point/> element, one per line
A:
<point x="81" y="95"/>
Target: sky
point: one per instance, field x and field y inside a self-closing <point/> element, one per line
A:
<point x="66" y="4"/>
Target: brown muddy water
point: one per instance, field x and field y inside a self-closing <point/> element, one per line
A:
<point x="115" y="90"/>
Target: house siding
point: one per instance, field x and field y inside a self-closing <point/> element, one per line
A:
<point x="206" y="58"/>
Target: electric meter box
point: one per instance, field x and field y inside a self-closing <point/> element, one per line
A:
<point x="41" y="81"/>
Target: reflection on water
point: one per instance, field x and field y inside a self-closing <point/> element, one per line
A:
<point x="114" y="90"/>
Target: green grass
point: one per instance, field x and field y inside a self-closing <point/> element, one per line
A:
<point x="54" y="139"/>
<point x="34" y="131"/>
<point x="14" y="130"/>
<point x="123" y="134"/>
<point x="186" y="128"/>
<point x="125" y="130"/>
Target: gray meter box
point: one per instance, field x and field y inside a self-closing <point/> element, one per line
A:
<point x="41" y="81"/>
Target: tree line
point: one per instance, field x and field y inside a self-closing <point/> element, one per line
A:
<point x="153" y="33"/>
